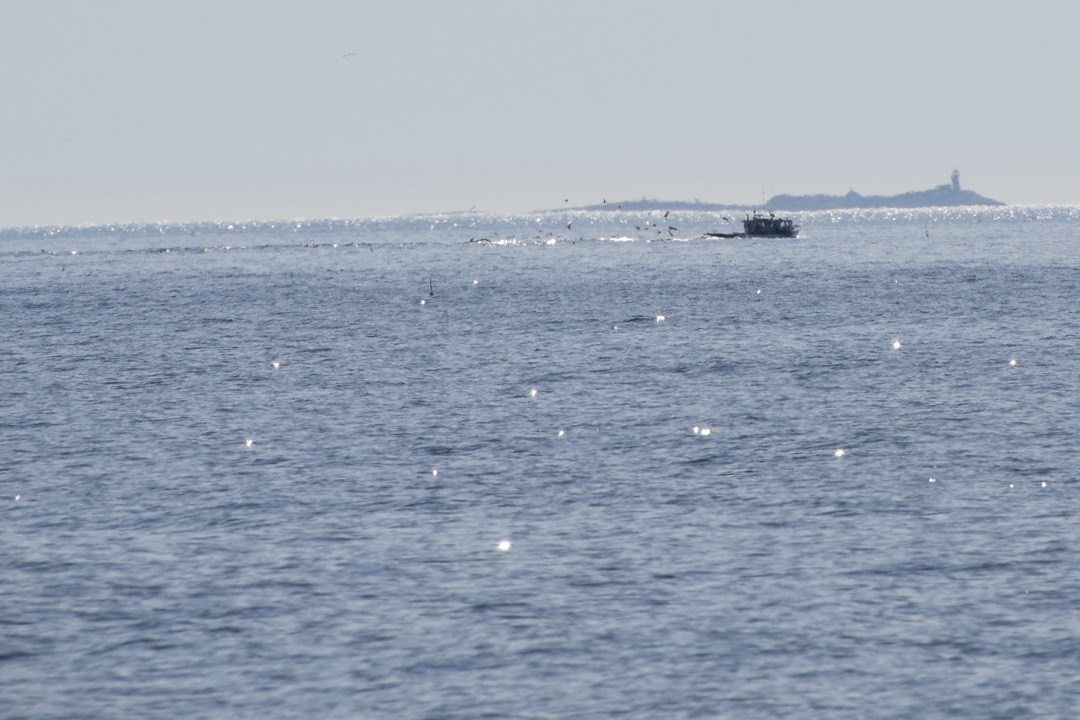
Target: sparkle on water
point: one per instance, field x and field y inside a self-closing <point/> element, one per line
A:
<point x="616" y="521"/>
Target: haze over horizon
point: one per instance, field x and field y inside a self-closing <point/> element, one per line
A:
<point x="122" y="111"/>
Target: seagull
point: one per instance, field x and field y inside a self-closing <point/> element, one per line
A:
<point x="349" y="54"/>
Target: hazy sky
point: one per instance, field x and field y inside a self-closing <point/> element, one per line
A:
<point x="254" y="109"/>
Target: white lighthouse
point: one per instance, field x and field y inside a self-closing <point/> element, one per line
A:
<point x="956" y="180"/>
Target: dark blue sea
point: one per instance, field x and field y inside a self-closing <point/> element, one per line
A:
<point x="551" y="465"/>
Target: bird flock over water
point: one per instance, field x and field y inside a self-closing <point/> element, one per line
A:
<point x="651" y="226"/>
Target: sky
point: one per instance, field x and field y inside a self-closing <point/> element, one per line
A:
<point x="132" y="111"/>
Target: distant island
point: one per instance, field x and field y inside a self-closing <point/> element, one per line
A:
<point x="942" y="196"/>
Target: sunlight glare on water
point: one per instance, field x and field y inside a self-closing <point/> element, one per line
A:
<point x="742" y="507"/>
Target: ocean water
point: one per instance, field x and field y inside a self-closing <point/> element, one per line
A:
<point x="480" y="466"/>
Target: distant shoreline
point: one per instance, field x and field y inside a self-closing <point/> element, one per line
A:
<point x="948" y="195"/>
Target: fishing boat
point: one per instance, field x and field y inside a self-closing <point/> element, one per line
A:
<point x="772" y="226"/>
<point x="759" y="225"/>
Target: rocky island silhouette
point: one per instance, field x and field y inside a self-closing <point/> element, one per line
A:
<point x="941" y="196"/>
<point x="950" y="194"/>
